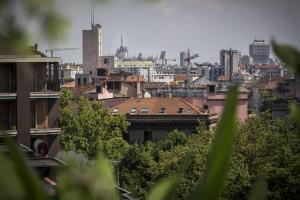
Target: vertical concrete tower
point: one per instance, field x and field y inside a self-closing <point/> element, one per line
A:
<point x="91" y="47"/>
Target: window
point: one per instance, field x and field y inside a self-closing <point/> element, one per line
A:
<point x="84" y="81"/>
<point x="91" y="72"/>
<point x="179" y="110"/>
<point x="188" y="110"/>
<point x="106" y="61"/>
<point x="78" y="81"/>
<point x="144" y="110"/>
<point x="133" y="111"/>
<point x="98" y="89"/>
<point x="162" y="110"/>
<point x="147" y="136"/>
<point x="115" y="110"/>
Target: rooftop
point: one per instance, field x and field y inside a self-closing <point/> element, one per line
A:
<point x="156" y="106"/>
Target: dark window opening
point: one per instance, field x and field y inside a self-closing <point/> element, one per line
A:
<point x="84" y="81"/>
<point x="179" y="110"/>
<point x="106" y="61"/>
<point x="98" y="89"/>
<point x="147" y="136"/>
<point x="79" y="82"/>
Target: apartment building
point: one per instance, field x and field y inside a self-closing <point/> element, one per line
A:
<point x="29" y="94"/>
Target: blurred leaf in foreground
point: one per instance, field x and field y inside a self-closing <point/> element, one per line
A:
<point x="32" y="187"/>
<point x="94" y="181"/>
<point x="219" y="158"/>
<point x="287" y="54"/>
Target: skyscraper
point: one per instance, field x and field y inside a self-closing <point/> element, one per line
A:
<point x="91" y="48"/>
<point x="259" y="51"/>
<point x="230" y="60"/>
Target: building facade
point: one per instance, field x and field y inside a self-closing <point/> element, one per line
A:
<point x="29" y="96"/>
<point x="230" y="60"/>
<point x="151" y="119"/>
<point x="259" y="51"/>
<point x="91" y="49"/>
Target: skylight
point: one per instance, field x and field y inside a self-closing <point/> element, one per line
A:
<point x="144" y="110"/>
<point x="162" y="110"/>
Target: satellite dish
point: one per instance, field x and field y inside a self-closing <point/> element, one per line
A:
<point x="41" y="147"/>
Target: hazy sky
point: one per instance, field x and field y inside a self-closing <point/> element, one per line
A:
<point x="204" y="26"/>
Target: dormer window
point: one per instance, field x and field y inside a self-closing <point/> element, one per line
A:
<point x="162" y="110"/>
<point x="179" y="110"/>
<point x="144" y="110"/>
<point x="188" y="110"/>
<point x="115" y="110"/>
<point x="133" y="111"/>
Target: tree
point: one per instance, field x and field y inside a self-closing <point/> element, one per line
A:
<point x="88" y="127"/>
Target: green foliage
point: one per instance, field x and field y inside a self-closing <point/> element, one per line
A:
<point x="268" y="99"/>
<point x="220" y="155"/>
<point x="20" y="177"/>
<point x="87" y="127"/>
<point x="49" y="23"/>
<point x="288" y="54"/>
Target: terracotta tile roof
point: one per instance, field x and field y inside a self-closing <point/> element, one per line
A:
<point x="108" y="103"/>
<point x="223" y="78"/>
<point x="181" y="77"/>
<point x="135" y="78"/>
<point x="153" y="85"/>
<point x="242" y="66"/>
<point x="157" y="106"/>
<point x="264" y="66"/>
<point x="69" y="85"/>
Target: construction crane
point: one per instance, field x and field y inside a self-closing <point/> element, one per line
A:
<point x="166" y="60"/>
<point x="59" y="49"/>
<point x="188" y="59"/>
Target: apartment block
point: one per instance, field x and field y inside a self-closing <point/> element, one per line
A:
<point x="29" y="96"/>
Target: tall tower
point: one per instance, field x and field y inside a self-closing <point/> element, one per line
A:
<point x="259" y="51"/>
<point x="92" y="43"/>
<point x="230" y="60"/>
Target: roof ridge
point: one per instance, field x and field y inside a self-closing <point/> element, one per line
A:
<point x="198" y="110"/>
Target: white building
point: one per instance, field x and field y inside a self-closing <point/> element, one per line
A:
<point x="68" y="71"/>
<point x="134" y="67"/>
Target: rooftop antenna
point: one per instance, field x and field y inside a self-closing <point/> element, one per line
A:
<point x="92" y="17"/>
<point x="121" y="41"/>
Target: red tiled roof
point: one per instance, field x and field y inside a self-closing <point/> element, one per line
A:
<point x="182" y="77"/>
<point x="264" y="66"/>
<point x="223" y="78"/>
<point x="69" y="85"/>
<point x="135" y="78"/>
<point x="154" y="105"/>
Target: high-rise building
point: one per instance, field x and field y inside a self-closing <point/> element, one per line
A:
<point x="122" y="52"/>
<point x="91" y="48"/>
<point x="183" y="56"/>
<point x="230" y="60"/>
<point x="259" y="51"/>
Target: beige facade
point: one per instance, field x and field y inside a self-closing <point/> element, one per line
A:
<point x="91" y="49"/>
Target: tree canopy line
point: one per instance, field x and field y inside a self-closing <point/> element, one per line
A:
<point x="262" y="148"/>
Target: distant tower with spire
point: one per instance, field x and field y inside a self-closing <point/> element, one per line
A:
<point x="122" y="52"/>
<point x="92" y="43"/>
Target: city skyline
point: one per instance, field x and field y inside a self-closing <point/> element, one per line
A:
<point x="204" y="27"/>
